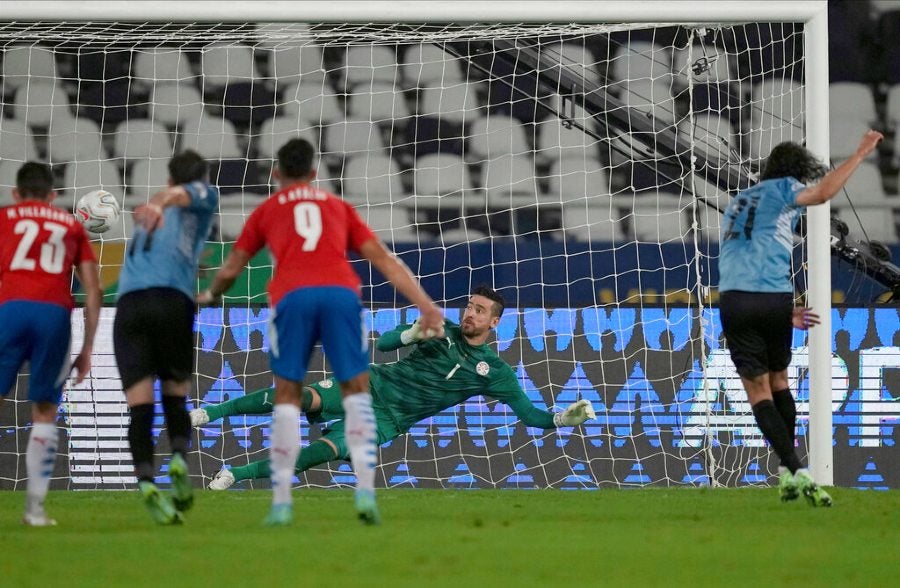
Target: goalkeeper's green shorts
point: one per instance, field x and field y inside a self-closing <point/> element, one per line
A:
<point x="333" y="410"/>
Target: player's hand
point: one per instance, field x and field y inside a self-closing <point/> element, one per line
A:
<point x="431" y="322"/>
<point x="149" y="215"/>
<point x="414" y="334"/>
<point x="804" y="318"/>
<point x="575" y="414"/>
<point x="206" y="298"/>
<point x="868" y="143"/>
<point x="81" y="365"/>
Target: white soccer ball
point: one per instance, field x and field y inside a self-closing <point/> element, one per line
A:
<point x="98" y="211"/>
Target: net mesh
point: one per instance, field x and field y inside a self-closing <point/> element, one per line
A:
<point x="587" y="187"/>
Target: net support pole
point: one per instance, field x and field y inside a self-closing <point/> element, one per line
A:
<point x="821" y="455"/>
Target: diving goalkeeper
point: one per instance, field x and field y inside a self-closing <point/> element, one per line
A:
<point x="437" y="374"/>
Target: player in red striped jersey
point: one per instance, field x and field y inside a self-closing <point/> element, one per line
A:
<point x="315" y="296"/>
<point x="39" y="246"/>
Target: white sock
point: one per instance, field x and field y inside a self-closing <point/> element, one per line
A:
<point x="40" y="457"/>
<point x="360" y="435"/>
<point x="284" y="451"/>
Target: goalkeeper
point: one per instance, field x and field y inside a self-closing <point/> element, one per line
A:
<point x="437" y="374"/>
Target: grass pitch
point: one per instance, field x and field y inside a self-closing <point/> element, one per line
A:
<point x="671" y="537"/>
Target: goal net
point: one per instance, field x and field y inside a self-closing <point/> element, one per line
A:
<point x="580" y="170"/>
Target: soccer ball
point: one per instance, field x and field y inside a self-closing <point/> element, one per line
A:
<point x="97" y="211"/>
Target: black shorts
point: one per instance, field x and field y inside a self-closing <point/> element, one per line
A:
<point x="153" y="335"/>
<point x="758" y="330"/>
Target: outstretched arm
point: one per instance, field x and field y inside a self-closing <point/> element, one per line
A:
<point x="575" y="414"/>
<point x="831" y="184"/>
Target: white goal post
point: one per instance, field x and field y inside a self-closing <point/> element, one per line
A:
<point x="812" y="14"/>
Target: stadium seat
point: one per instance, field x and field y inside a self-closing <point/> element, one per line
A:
<point x="233" y="213"/>
<point x="37" y="103"/>
<point x="865" y="187"/>
<point x="350" y="138"/>
<point x="147" y="177"/>
<point x="844" y="137"/>
<point x="390" y="223"/>
<point x="429" y="134"/>
<point x="380" y="103"/>
<point x="211" y="137"/>
<point x="578" y="179"/>
<point x="853" y="101"/>
<point x="554" y="141"/>
<point x="653" y="97"/>
<point x="290" y="61"/>
<point x="710" y="223"/>
<point x="640" y="60"/>
<point x="82" y="177"/>
<point x="172" y="104"/>
<point x="314" y="103"/>
<point x="365" y="65"/>
<point x="227" y="63"/>
<point x="776" y="103"/>
<point x="371" y="179"/>
<point x="497" y="135"/>
<point x="455" y="104"/>
<point x="142" y="138"/>
<point x="427" y="65"/>
<point x="870" y="223"/>
<point x="8" y="171"/>
<point x="74" y="139"/>
<point x="710" y="134"/>
<point x="277" y="131"/>
<point x="442" y="182"/>
<point x="759" y="142"/>
<point x="162" y="66"/>
<point x="16" y="141"/>
<point x="509" y="181"/>
<point x="28" y="64"/>
<point x="658" y="218"/>
<point x="573" y="54"/>
<point x="591" y="220"/>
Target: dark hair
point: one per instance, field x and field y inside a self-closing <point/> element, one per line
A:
<point x="34" y="180"/>
<point x="295" y="158"/>
<point x="794" y="160"/>
<point x="491" y="294"/>
<point x="187" y="166"/>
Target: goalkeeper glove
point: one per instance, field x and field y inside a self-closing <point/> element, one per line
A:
<point x="575" y="414"/>
<point x="414" y="334"/>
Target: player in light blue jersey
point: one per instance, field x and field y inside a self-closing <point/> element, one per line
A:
<point x="154" y="324"/>
<point x="756" y="305"/>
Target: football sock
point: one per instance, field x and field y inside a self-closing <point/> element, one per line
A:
<point x="40" y="457"/>
<point x="361" y="440"/>
<point x="316" y="453"/>
<point x="775" y="431"/>
<point x="283" y="452"/>
<point x="141" y="441"/>
<point x="178" y="423"/>
<point x="787" y="408"/>
<point x="259" y="402"/>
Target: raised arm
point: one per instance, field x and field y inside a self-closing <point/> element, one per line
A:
<point x="150" y="215"/>
<point x="831" y="184"/>
<point x="396" y="272"/>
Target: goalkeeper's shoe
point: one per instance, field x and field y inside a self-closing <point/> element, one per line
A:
<point x="159" y="505"/>
<point x="38" y="520"/>
<point x="815" y="496"/>
<point x="199" y="417"/>
<point x="366" y="507"/>
<point x="182" y="490"/>
<point x="787" y="485"/>
<point x="223" y="480"/>
<point x="281" y="515"/>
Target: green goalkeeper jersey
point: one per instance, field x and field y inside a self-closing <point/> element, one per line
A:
<point x="440" y="373"/>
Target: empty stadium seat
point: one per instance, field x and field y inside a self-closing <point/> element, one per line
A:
<point x="844" y="136"/>
<point x="371" y="179"/>
<point x="172" y="104"/>
<point x="759" y="142"/>
<point x="365" y="65"/>
<point x="443" y="181"/>
<point x="640" y="60"/>
<point x="74" y="139"/>
<point x="161" y="66"/>
<point x="315" y="104"/>
<point x="457" y="103"/>
<point x="865" y="187"/>
<point x="24" y="64"/>
<point x="591" y="220"/>
<point x="497" y="135"/>
<point x="82" y="177"/>
<point x="16" y="141"/>
<point x="37" y="103"/>
<point x="578" y="179"/>
<point x="658" y="218"/>
<point x="147" y="177"/>
<point x="142" y="138"/>
<point x="351" y="138"/>
<point x="653" y="97"/>
<point x="390" y="223"/>
<point x="892" y="109"/>
<point x="289" y="61"/>
<point x="853" y="101"/>
<point x="211" y="137"/>
<point x="277" y="131"/>
<point x="8" y="171"/>
<point x="379" y="103"/>
<point x="227" y="63"/>
<point x="427" y="65"/>
<point x="776" y="103"/>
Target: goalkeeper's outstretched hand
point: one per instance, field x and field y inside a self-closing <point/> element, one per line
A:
<point x="575" y="414"/>
<point x="416" y="333"/>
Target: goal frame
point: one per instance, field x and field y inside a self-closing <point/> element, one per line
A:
<point x="813" y="14"/>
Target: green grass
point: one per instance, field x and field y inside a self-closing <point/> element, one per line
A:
<point x="470" y="539"/>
